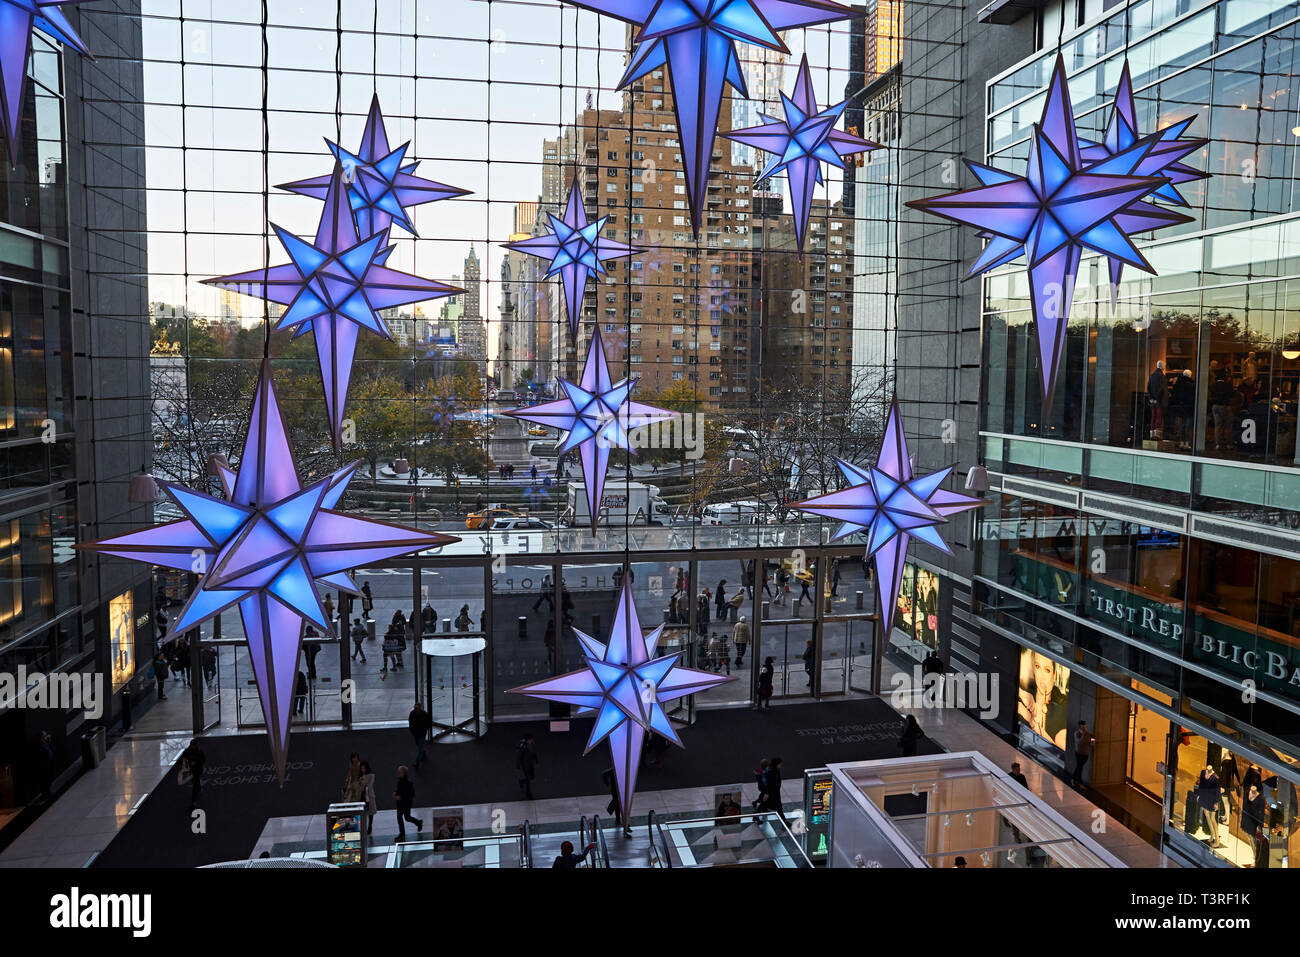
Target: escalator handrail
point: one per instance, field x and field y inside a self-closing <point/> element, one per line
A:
<point x="598" y="833"/>
<point x="582" y="838"/>
<point x="655" y="828"/>
<point x="525" y="846"/>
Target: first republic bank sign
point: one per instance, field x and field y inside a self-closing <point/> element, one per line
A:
<point x="1241" y="653"/>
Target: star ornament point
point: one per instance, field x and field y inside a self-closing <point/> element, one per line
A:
<point x="17" y="20"/>
<point x="1062" y="206"/>
<point x="597" y="414"/>
<point x="381" y="183"/>
<point x="334" y="287"/>
<point x="800" y="143"/>
<point x="265" y="548"/>
<point x="625" y="686"/>
<point x="576" y="252"/>
<point x="694" y="42"/>
<point x="892" y="506"/>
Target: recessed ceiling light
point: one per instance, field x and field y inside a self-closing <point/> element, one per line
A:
<point x="1295" y="131"/>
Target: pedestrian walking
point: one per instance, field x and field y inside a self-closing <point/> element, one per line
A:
<point x="766" y="678"/>
<point x="808" y="656"/>
<point x="351" y="788"/>
<point x="193" y="760"/>
<point x="300" y="693"/>
<point x="160" y="673"/>
<point x="366" y="794"/>
<point x="772" y="788"/>
<point x="740" y="638"/>
<point x="420" y="725"/>
<point x="526" y="761"/>
<point x="358" y="636"/>
<point x="911" y="737"/>
<point x="404" y="797"/>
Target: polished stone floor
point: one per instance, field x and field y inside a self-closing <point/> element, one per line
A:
<point x="89" y="814"/>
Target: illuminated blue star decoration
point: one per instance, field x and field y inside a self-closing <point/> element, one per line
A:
<point x="334" y="288"/>
<point x="576" y="251"/>
<point x="800" y="143"/>
<point x="265" y="548"/>
<point x="892" y="506"/>
<point x="17" y="20"/>
<point x="597" y="414"/>
<point x="1163" y="159"/>
<point x="694" y="41"/>
<point x="1061" y="207"/>
<point x="626" y="687"/>
<point x="381" y="183"/>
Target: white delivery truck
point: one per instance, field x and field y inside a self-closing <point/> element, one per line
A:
<point x="632" y="503"/>
<point x="734" y="513"/>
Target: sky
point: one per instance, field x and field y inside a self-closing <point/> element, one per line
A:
<point x="474" y="85"/>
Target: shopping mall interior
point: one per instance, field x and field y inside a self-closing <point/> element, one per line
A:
<point x="649" y="434"/>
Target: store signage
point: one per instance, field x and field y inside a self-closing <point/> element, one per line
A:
<point x="1161" y="621"/>
<point x="1260" y="662"/>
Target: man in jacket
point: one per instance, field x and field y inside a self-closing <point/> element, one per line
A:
<point x="740" y="637"/>
<point x="404" y="796"/>
<point x="420" y="724"/>
<point x="1157" y="398"/>
<point x="358" y="636"/>
<point x="526" y="762"/>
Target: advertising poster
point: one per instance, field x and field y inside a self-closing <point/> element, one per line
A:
<point x="121" y="629"/>
<point x="1044" y="693"/>
<point x="345" y="842"/>
<point x="819" y="818"/>
<point x="727" y="803"/>
<point x="448" y="828"/>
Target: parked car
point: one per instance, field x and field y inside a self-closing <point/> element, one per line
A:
<point x="524" y="523"/>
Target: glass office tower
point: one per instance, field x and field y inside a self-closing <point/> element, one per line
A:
<point x="74" y="390"/>
<point x="1138" y="553"/>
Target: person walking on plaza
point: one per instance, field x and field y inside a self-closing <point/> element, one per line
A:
<point x="160" y="673"/>
<point x="809" y="653"/>
<point x="740" y="638"/>
<point x="351" y="787"/>
<point x="366" y="794"/>
<point x="358" y="636"/>
<point x="193" y="760"/>
<point x="367" y="599"/>
<point x="912" y="735"/>
<point x="1083" y="742"/>
<point x="463" y="620"/>
<point x="310" y="651"/>
<point x="328" y="604"/>
<point x="183" y="659"/>
<point x="766" y="677"/>
<point x="420" y="725"/>
<point x="1017" y="776"/>
<point x="759" y="804"/>
<point x="526" y="761"/>
<point x="772" y="788"/>
<point x="300" y="694"/>
<point x="404" y="796"/>
<point x="720" y="601"/>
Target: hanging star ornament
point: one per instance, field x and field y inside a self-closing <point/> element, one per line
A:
<point x="266" y="548"/>
<point x="800" y="143"/>
<point x="334" y="288"/>
<point x="626" y="687"/>
<point x="1162" y="160"/>
<point x="892" y="506"/>
<point x="694" y="41"/>
<point x="17" y="20"/>
<point x="576" y="251"/>
<point x="598" y="414"/>
<point x="381" y="183"/>
<point x="1062" y="206"/>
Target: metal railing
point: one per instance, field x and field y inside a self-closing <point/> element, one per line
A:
<point x="525" y="846"/>
<point x="598" y="836"/>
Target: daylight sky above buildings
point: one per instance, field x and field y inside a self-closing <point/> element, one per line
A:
<point x="534" y="92"/>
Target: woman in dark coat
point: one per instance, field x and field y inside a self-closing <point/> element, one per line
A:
<point x="912" y="734"/>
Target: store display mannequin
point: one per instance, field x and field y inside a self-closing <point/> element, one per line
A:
<point x="1254" y="812"/>
<point x="1229" y="777"/>
<point x="1208" y="794"/>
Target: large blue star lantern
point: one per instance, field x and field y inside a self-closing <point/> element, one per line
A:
<point x="1162" y="160"/>
<point x="576" y="251"/>
<point x="381" y="183"/>
<point x="265" y="548"/>
<point x="334" y="288"/>
<point x="597" y="414"/>
<point x="694" y="41"/>
<point x="892" y="506"/>
<point x="800" y="143"/>
<point x="1062" y="206"/>
<point x="17" y="20"/>
<point x="626" y="687"/>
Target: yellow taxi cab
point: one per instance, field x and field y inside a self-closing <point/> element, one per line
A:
<point x="539" y="430"/>
<point x="485" y="518"/>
